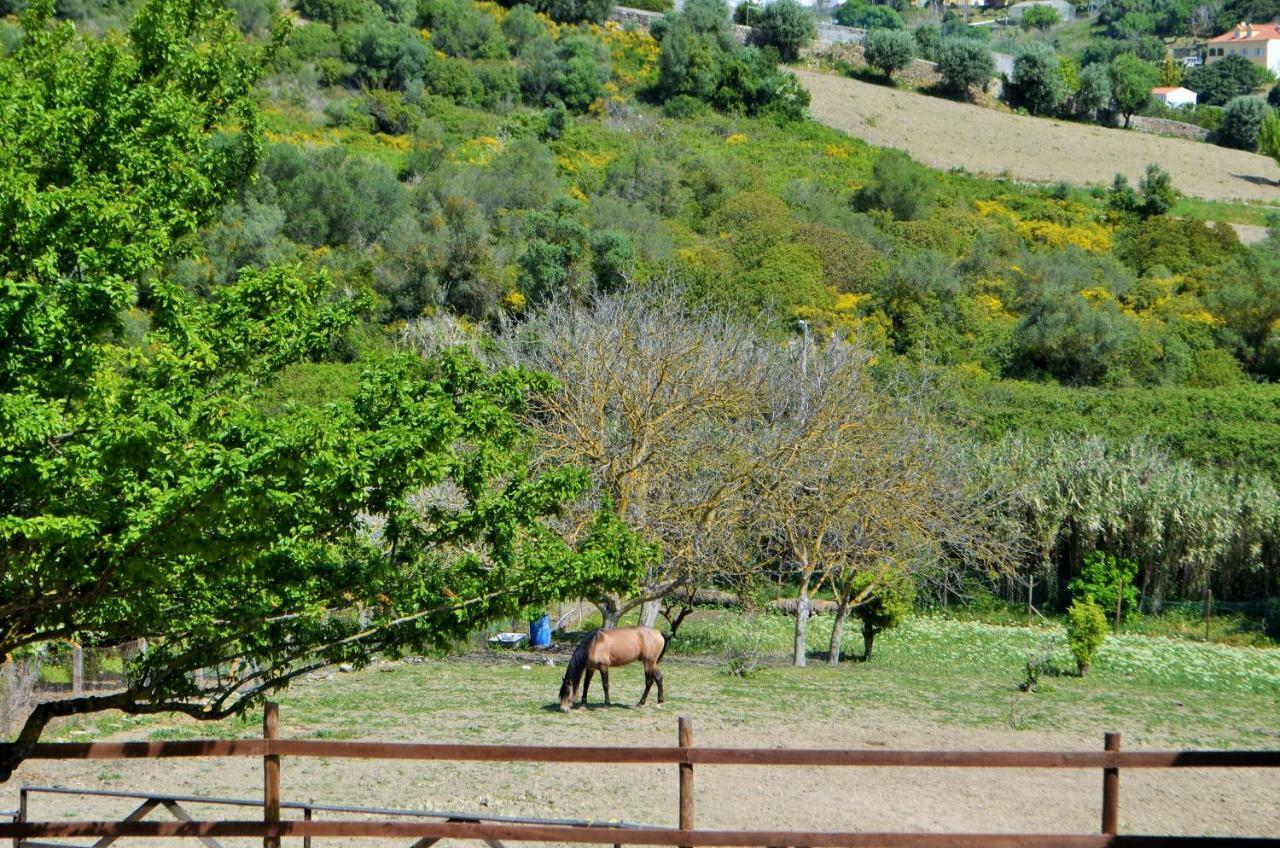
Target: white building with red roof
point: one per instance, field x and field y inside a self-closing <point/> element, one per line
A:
<point x="1174" y="96"/>
<point x="1259" y="43"/>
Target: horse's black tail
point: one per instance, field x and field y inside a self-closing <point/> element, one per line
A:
<point x="666" y="643"/>
<point x="577" y="665"/>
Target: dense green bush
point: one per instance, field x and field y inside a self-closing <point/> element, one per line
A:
<point x="1040" y="17"/>
<point x="1037" y="84"/>
<point x="571" y="11"/>
<point x="1242" y="121"/>
<point x="899" y="186"/>
<point x="888" y="50"/>
<point x="964" y="64"/>
<point x="699" y="58"/>
<point x="332" y="12"/>
<point x="459" y="28"/>
<point x="856" y="13"/>
<point x="1093" y="92"/>
<point x="786" y="26"/>
<point x="888" y="604"/>
<point x="1110" y="581"/>
<point x="1230" y="76"/>
<point x="1086" y="631"/>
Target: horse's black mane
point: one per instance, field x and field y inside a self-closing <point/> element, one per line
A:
<point x="577" y="665"/>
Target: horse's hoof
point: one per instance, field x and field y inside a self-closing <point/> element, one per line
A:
<point x="641" y="705"/>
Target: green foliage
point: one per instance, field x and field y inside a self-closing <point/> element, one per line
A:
<point x="333" y="12"/>
<point x="557" y="247"/>
<point x="1040" y="17"/>
<point x="888" y="50"/>
<point x="1156" y="194"/>
<point x="521" y="27"/>
<point x="786" y="26"/>
<point x="1269" y="136"/>
<point x="1224" y="427"/>
<point x="572" y="11"/>
<point x="700" y="59"/>
<point x="965" y="63"/>
<point x="928" y="41"/>
<point x="1228" y="77"/>
<point x="856" y="13"/>
<point x="383" y="53"/>
<point x="898" y="185"/>
<point x="889" y="599"/>
<point x="1037" y="84"/>
<point x="572" y="71"/>
<point x="1131" y="82"/>
<point x="459" y="28"/>
<point x="1093" y="92"/>
<point x="1086" y="631"/>
<point x="149" y="489"/>
<point x="1242" y="122"/>
<point x="1109" y="580"/>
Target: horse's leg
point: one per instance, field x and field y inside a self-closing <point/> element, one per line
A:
<point x="604" y="681"/>
<point x="648" y="683"/>
<point x="657" y="673"/>
<point x="586" y="684"/>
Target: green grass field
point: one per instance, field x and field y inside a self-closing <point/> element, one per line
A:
<point x="929" y="671"/>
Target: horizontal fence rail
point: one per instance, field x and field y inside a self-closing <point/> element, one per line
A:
<point x="655" y="755"/>
<point x="1111" y="761"/>
<point x="601" y="835"/>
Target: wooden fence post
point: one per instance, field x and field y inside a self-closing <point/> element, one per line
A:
<point x="685" y="738"/>
<point x="22" y="814"/>
<point x="1111" y="789"/>
<point x="77" y="671"/>
<point x="271" y="772"/>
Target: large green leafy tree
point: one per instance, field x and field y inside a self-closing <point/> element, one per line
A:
<point x="147" y="488"/>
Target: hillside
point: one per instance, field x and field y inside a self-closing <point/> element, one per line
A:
<point x="946" y="134"/>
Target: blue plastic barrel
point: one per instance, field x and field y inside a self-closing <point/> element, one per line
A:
<point x="540" y="632"/>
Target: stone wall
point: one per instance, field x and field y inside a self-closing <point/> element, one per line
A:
<point x="1163" y="126"/>
<point x="638" y="18"/>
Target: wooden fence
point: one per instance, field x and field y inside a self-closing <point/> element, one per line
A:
<point x="1110" y="761"/>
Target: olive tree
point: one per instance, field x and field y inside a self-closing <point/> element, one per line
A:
<point x="965" y="63"/>
<point x="888" y="50"/>
<point x="786" y="25"/>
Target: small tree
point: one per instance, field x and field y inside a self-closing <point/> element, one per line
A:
<point x="1242" y="122"/>
<point x="1086" y="631"/>
<point x="786" y="25"/>
<point x="889" y="600"/>
<point x="1041" y="18"/>
<point x="1094" y="91"/>
<point x="889" y="50"/>
<point x="1131" y="82"/>
<point x="1037" y="84"/>
<point x="1269" y="137"/>
<point x="1110" y="580"/>
<point x="1170" y="73"/>
<point x="965" y="63"/>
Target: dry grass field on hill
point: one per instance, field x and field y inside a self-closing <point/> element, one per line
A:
<point x="947" y="134"/>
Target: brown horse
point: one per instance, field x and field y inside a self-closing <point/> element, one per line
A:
<point x="606" y="648"/>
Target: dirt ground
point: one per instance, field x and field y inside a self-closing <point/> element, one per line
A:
<point x="947" y="134"/>
<point x="961" y="800"/>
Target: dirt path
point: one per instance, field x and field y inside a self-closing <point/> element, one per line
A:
<point x="449" y="702"/>
<point x="945" y="134"/>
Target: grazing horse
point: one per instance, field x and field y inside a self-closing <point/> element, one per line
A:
<point x="605" y="648"/>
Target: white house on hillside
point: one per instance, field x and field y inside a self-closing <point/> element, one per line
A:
<point x="1175" y="97"/>
<point x="1259" y="43"/>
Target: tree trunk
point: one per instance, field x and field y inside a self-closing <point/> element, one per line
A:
<point x="837" y="633"/>
<point x="802" y="625"/>
<point x="868" y="639"/>
<point x="610" y="612"/>
<point x="649" y="612"/>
